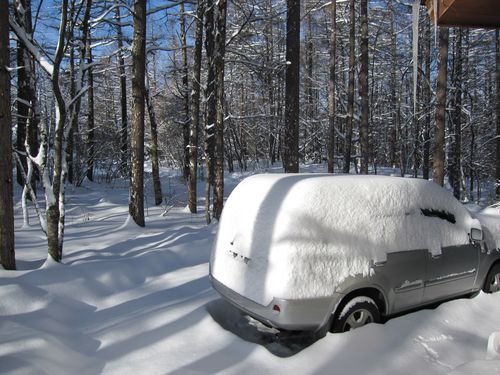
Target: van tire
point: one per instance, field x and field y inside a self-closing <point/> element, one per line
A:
<point x="357" y="312"/>
<point x="492" y="281"/>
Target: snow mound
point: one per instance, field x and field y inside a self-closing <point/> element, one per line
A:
<point x="129" y="224"/>
<point x="50" y="263"/>
<point x="300" y="236"/>
<point x="493" y="351"/>
<point x="17" y="299"/>
<point x="483" y="367"/>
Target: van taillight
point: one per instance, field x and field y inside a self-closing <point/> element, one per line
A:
<point x="277" y="308"/>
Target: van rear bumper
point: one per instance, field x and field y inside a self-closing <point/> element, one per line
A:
<point x="299" y="314"/>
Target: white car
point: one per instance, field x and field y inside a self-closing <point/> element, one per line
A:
<point x="316" y="252"/>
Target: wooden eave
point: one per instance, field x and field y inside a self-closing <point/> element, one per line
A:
<point x="465" y="13"/>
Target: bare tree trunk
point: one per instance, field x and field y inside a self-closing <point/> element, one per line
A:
<point x="417" y="62"/>
<point x="210" y="106"/>
<point x="350" y="90"/>
<point x="136" y="200"/>
<point x="456" y="144"/>
<point x="464" y="165"/>
<point x="331" y="89"/>
<point x="220" y="50"/>
<point x="468" y="97"/>
<point x="78" y="149"/>
<point x="28" y="116"/>
<point x="73" y="116"/>
<point x="402" y="136"/>
<point x="291" y="141"/>
<point x="26" y="92"/>
<point x="55" y="199"/>
<point x="155" y="164"/>
<point x="393" y="97"/>
<point x="497" y="169"/>
<point x="438" y="155"/>
<point x="306" y="149"/>
<point x="195" y="109"/>
<point x="28" y="189"/>
<point x="416" y="130"/>
<point x="268" y="35"/>
<point x="22" y="110"/>
<point x="427" y="100"/>
<point x="279" y="116"/>
<point x="185" y="92"/>
<point x="7" y="252"/>
<point x="73" y="145"/>
<point x="90" y="116"/>
<point x="363" y="80"/>
<point x="123" y="97"/>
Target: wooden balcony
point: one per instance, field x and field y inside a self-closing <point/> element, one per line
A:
<point x="465" y="13"/>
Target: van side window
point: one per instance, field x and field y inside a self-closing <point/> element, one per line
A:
<point x="439" y="214"/>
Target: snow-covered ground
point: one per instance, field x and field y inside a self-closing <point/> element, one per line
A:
<point x="138" y="300"/>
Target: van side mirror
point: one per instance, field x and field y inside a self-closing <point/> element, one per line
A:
<point x="476" y="234"/>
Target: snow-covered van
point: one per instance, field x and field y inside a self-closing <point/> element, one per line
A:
<point x="309" y="251"/>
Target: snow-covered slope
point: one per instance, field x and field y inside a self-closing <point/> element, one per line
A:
<point x="138" y="300"/>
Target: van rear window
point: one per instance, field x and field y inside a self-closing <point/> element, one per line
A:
<point x="439" y="214"/>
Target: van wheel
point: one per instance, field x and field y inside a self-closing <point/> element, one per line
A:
<point x="358" y="312"/>
<point x="492" y="281"/>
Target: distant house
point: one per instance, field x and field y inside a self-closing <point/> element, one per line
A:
<point x="464" y="13"/>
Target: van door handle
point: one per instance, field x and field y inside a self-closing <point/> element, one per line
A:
<point x="435" y="256"/>
<point x="380" y="264"/>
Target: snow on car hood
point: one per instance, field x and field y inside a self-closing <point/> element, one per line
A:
<point x="300" y="236"/>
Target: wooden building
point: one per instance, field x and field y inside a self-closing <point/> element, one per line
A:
<point x="465" y="13"/>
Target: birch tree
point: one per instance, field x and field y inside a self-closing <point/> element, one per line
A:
<point x="27" y="108"/>
<point x="54" y="183"/>
<point x="28" y="116"/>
<point x="55" y="193"/>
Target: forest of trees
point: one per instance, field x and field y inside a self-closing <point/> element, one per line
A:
<point x="94" y="88"/>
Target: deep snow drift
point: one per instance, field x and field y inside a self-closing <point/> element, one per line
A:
<point x="138" y="300"/>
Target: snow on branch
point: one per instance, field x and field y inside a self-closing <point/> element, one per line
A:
<point x="35" y="51"/>
<point x="100" y="18"/>
<point x="164" y="7"/>
<point x="78" y="95"/>
<point x="166" y="49"/>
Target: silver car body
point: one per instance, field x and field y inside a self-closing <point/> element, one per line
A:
<point x="404" y="280"/>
